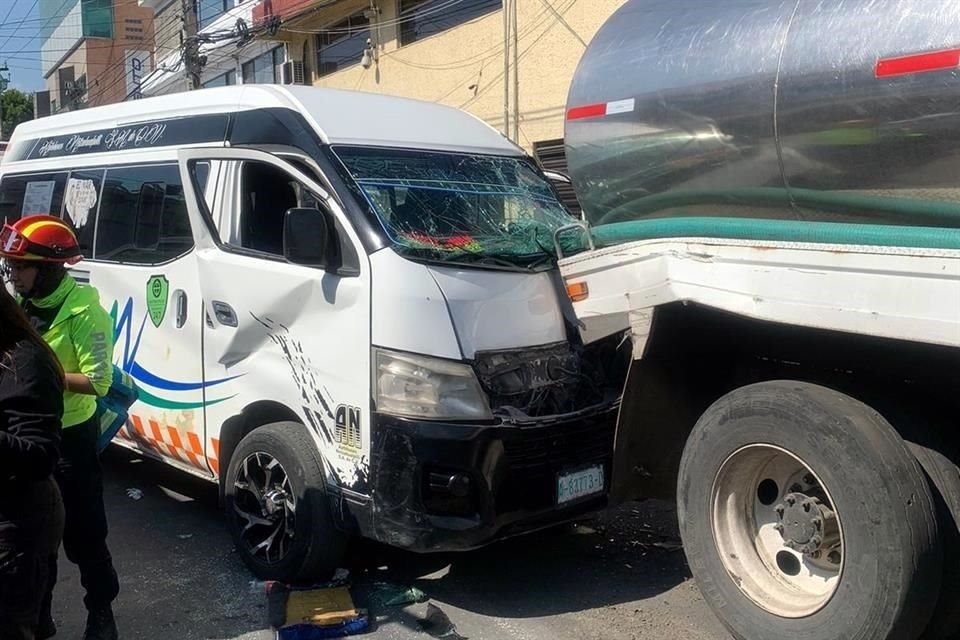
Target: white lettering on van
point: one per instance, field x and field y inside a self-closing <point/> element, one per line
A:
<point x="49" y="146"/>
<point x="146" y="135"/>
<point x="80" y="142"/>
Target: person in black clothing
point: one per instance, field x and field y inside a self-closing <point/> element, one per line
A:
<point x="31" y="509"/>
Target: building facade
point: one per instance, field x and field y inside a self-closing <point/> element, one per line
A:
<point x="94" y="52"/>
<point x="225" y="63"/>
<point x="447" y="51"/>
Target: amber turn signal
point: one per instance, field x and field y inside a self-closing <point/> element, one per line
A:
<point x="578" y="291"/>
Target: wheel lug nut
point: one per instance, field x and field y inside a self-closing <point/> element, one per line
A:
<point x="780" y="509"/>
<point x="807" y="506"/>
<point x="778" y="528"/>
<point x="791" y="501"/>
<point x="816" y="555"/>
<point x="816" y="540"/>
<point x="817" y="522"/>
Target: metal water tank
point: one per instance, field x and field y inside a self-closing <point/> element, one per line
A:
<point x="823" y="110"/>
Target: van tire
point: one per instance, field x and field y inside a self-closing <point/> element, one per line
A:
<point x="317" y="546"/>
<point x="888" y="574"/>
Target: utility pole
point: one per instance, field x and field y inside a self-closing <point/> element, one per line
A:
<point x="506" y="67"/>
<point x="511" y="46"/>
<point x="516" y="74"/>
<point x="191" y="45"/>
<point x="3" y="87"/>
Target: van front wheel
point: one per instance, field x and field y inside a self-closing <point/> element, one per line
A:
<point x="277" y="509"/>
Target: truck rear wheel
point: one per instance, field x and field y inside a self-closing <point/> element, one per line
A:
<point x="804" y="515"/>
<point x="277" y="508"/>
<point x="944" y="476"/>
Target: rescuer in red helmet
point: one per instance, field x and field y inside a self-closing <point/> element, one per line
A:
<point x="69" y="316"/>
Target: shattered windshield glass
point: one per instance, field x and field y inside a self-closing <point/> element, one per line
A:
<point x="452" y="207"/>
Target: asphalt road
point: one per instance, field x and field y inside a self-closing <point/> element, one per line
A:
<point x="621" y="576"/>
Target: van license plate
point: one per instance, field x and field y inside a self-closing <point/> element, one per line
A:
<point x="578" y="484"/>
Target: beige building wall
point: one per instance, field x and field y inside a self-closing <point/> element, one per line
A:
<point x="78" y="60"/>
<point x="464" y="66"/>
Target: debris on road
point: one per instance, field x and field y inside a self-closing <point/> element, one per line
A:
<point x="134" y="494"/>
<point x="386" y="595"/>
<point x="437" y="625"/>
<point x="668" y="546"/>
<point x="312" y="613"/>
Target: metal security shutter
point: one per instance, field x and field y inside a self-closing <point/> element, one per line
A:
<point x="552" y="155"/>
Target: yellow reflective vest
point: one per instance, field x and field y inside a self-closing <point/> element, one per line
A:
<point x="81" y="335"/>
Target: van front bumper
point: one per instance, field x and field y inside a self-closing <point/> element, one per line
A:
<point x="450" y="487"/>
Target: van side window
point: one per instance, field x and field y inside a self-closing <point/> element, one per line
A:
<point x="25" y="195"/>
<point x="143" y="216"/>
<point x="266" y="193"/>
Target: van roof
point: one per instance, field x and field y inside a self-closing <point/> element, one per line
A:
<point x="339" y="117"/>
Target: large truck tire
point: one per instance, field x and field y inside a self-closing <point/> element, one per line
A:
<point x="805" y="516"/>
<point x="944" y="477"/>
<point x="277" y="506"/>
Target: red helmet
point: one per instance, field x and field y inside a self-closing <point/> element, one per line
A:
<point x="41" y="238"/>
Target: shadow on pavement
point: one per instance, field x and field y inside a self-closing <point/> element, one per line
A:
<point x="627" y="555"/>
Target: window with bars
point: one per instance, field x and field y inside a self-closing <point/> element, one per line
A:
<point x="223" y="80"/>
<point x="264" y="69"/>
<point x="341" y="45"/>
<point x="423" y="18"/>
<point x="552" y="155"/>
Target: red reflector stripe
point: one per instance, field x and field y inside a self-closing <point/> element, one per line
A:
<point x="919" y="63"/>
<point x="589" y="111"/>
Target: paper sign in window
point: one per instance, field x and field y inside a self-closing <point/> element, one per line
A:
<point x="81" y="198"/>
<point x="37" y="198"/>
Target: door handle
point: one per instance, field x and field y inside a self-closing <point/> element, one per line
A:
<point x="224" y="313"/>
<point x="181" y="297"/>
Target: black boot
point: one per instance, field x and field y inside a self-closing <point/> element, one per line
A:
<point x="46" y="629"/>
<point x="101" y="625"/>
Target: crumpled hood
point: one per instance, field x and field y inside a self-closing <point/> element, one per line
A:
<point x="496" y="310"/>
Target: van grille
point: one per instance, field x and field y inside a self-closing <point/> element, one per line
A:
<point x="536" y="455"/>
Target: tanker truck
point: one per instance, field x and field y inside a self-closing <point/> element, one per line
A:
<point x="771" y="195"/>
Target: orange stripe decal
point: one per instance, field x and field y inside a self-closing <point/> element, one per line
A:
<point x="155" y="427"/>
<point x="175" y="437"/>
<point x="195" y="443"/>
<point x="171" y="444"/>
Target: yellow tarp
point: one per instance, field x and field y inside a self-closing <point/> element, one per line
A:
<point x="321" y="607"/>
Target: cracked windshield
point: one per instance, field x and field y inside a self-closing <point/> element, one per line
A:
<point x="449" y="207"/>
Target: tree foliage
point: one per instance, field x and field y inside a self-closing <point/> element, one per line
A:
<point x="17" y="107"/>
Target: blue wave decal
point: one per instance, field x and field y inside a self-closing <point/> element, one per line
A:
<point x="123" y="324"/>
<point x="154" y="380"/>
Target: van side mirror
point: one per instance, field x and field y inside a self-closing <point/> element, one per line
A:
<point x="308" y="238"/>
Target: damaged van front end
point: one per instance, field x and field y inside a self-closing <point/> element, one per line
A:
<point x="542" y="457"/>
<point x="490" y="416"/>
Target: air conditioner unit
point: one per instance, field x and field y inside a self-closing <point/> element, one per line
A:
<point x="293" y="72"/>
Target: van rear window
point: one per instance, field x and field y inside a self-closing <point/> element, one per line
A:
<point x="143" y="216"/>
<point x="32" y="194"/>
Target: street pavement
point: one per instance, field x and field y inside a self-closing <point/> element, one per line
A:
<point x="618" y="577"/>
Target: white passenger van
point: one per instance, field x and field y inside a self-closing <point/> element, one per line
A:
<point x="340" y="306"/>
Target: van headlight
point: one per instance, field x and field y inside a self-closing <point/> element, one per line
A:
<point x="424" y="387"/>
